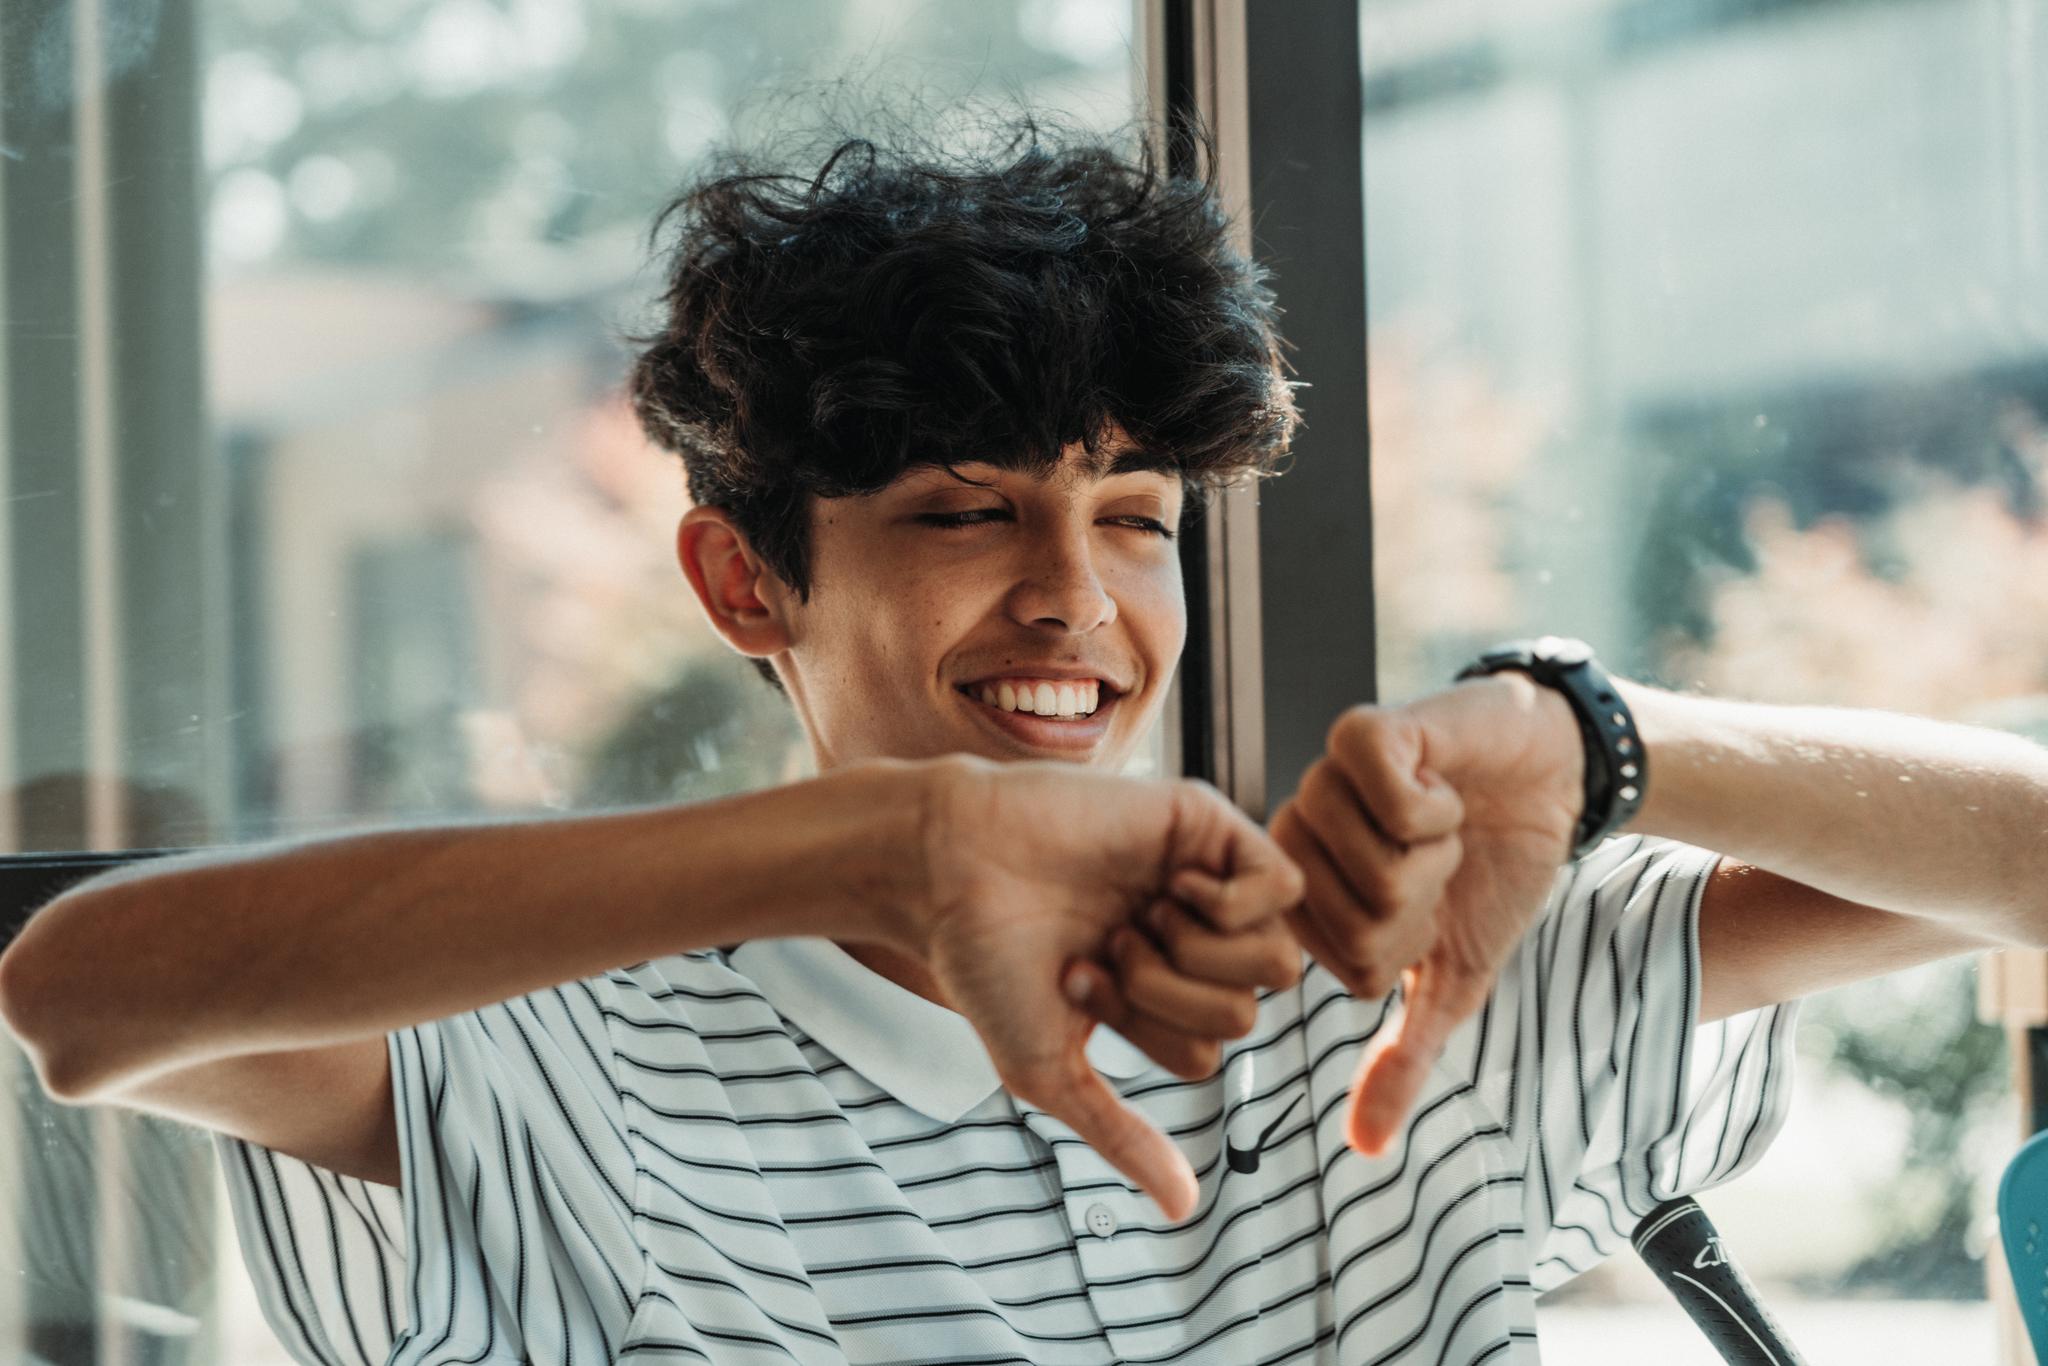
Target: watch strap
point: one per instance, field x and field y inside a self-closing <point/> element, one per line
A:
<point x="1617" y="767"/>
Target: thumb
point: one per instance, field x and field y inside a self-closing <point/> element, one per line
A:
<point x="1113" y="1129"/>
<point x="1395" y="1067"/>
<point x="1072" y="1090"/>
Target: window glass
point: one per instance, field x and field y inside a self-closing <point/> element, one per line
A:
<point x="321" y="504"/>
<point x="399" y="549"/>
<point x="1714" y="333"/>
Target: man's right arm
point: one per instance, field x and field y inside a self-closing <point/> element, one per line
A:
<point x="253" y="991"/>
<point x="317" y="950"/>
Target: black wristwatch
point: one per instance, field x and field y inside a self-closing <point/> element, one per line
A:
<point x="1617" y="768"/>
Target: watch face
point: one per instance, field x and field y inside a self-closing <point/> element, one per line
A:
<point x="1562" y="650"/>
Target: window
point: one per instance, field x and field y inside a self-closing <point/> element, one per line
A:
<point x="1713" y="333"/>
<point x="1708" y="330"/>
<point x="321" y="504"/>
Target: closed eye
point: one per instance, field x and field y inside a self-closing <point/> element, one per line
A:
<point x="1151" y="524"/>
<point x="971" y="517"/>
<point x="985" y="516"/>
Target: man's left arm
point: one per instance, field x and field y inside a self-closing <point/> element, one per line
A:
<point x="1856" y="842"/>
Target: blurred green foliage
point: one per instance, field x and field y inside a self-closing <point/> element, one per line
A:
<point x="1920" y="1044"/>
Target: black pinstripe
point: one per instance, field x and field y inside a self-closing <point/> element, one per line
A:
<point x="676" y="1161"/>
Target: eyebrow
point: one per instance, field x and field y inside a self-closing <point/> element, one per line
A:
<point x="1133" y="460"/>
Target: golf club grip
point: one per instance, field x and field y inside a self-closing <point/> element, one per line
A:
<point x="1680" y="1244"/>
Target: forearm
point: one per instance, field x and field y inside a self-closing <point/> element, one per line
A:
<point x="324" y="942"/>
<point x="1934" y="820"/>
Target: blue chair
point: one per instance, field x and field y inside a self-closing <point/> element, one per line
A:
<point x="2023" y="1224"/>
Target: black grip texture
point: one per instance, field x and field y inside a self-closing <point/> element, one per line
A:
<point x="1680" y="1244"/>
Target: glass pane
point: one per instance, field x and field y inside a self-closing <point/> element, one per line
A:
<point x="321" y="503"/>
<point x="400" y="549"/>
<point x="1716" y="334"/>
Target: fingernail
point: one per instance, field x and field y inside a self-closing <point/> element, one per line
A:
<point x="1080" y="986"/>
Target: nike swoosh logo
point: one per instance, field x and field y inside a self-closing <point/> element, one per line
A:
<point x="1247" y="1159"/>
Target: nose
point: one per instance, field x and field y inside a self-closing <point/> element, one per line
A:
<point x="1059" y="589"/>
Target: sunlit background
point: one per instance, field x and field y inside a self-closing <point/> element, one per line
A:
<point x="1711" y="331"/>
<point x="1717" y="333"/>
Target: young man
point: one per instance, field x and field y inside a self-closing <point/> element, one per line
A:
<point x="497" y="1094"/>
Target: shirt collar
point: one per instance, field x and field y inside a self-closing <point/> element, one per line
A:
<point x="923" y="1054"/>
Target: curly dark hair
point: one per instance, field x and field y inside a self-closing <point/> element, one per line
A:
<point x="822" y="333"/>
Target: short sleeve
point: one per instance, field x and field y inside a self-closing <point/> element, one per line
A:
<point x="325" y="1253"/>
<point x="1620" y="1101"/>
<point x="511" y="1236"/>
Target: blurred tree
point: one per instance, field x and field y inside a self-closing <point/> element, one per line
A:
<point x="1925" y="1049"/>
<point x="450" y="135"/>
<point x="1929" y="596"/>
<point x="716" y="730"/>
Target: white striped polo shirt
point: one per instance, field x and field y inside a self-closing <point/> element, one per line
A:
<point x="775" y="1155"/>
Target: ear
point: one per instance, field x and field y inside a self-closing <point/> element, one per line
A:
<point x="742" y="598"/>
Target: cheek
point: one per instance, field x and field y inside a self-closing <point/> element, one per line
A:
<point x="906" y="624"/>
<point x="1156" y="613"/>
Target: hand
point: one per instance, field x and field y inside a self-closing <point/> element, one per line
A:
<point x="1029" y="866"/>
<point x="1180" y="986"/>
<point x="1429" y="835"/>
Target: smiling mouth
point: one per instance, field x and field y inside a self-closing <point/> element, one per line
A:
<point x="1046" y="699"/>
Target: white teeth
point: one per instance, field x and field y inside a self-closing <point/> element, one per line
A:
<point x="1063" y="700"/>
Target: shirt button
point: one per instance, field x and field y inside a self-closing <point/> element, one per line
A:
<point x="1101" y="1222"/>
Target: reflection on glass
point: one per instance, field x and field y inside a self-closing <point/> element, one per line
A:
<point x="1718" y="334"/>
<point x="321" y="506"/>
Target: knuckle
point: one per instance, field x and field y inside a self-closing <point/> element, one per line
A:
<point x="1293" y="883"/>
<point x="1170" y="927"/>
<point x="1170" y="955"/>
<point x="1356" y="943"/>
<point x="1290" y="832"/>
<point x="1320" y="784"/>
<point x="1143" y="981"/>
<point x="1353" y="724"/>
<point x="1374" y="981"/>
<point x="1380" y="887"/>
<point x="1402" y="822"/>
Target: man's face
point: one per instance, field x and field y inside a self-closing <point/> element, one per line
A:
<point x="1013" y="617"/>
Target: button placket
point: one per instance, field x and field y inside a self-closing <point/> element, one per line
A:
<point x="1098" y="1198"/>
<point x="1108" y="1220"/>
